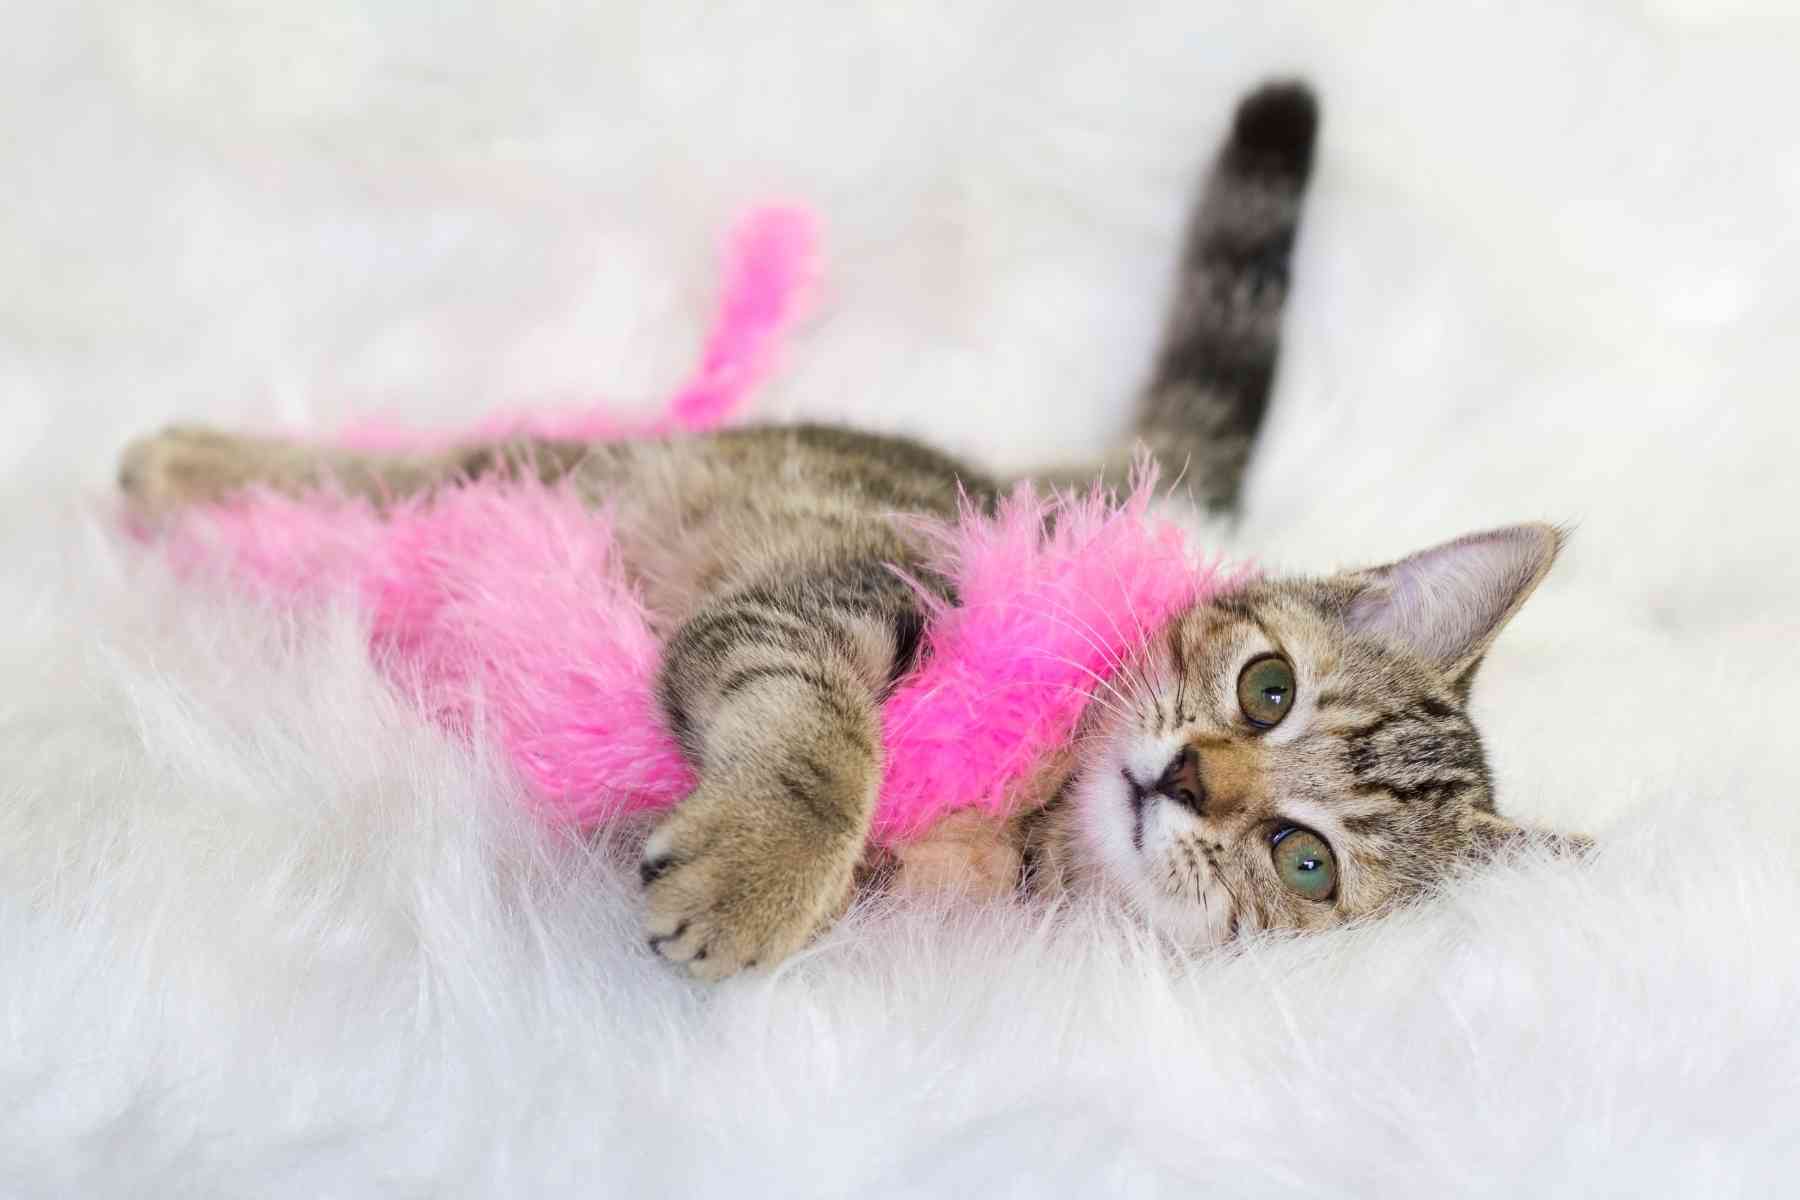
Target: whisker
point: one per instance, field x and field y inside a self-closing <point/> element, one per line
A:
<point x="1106" y="609"/>
<point x="1091" y="635"/>
<point x="1130" y="609"/>
<point x="1237" y="905"/>
<point x="1117" y="662"/>
<point x="1121" y="662"/>
<point x="989" y="693"/>
<point x="1098" y="678"/>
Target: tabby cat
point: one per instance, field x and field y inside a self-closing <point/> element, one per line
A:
<point x="1292" y="755"/>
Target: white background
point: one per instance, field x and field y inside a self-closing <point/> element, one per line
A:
<point x="262" y="930"/>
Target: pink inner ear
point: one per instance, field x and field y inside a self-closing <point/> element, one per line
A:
<point x="1445" y="602"/>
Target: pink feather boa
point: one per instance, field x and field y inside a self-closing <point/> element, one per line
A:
<point x="503" y="607"/>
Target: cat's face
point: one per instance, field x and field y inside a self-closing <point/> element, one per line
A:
<point x="1298" y="754"/>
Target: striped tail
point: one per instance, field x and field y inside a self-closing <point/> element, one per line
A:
<point x="1206" y="399"/>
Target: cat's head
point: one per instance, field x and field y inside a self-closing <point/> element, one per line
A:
<point x="1298" y="753"/>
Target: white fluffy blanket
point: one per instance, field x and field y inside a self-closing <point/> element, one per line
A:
<point x="264" y="931"/>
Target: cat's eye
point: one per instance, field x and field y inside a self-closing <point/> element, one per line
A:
<point x="1305" y="863"/>
<point x="1266" y="690"/>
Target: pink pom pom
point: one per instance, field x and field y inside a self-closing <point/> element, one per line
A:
<point x="769" y="275"/>
<point x="771" y="265"/>
<point x="502" y="605"/>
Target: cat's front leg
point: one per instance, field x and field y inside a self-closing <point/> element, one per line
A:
<point x="772" y="691"/>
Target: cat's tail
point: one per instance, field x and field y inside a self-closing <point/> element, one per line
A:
<point x="1210" y="388"/>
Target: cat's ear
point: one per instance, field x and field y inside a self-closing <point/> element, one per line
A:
<point x="1492" y="835"/>
<point x="1448" y="603"/>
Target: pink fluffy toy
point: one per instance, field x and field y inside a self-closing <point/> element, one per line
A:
<point x="502" y="605"/>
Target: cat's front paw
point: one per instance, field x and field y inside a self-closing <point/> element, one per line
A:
<point x="736" y="879"/>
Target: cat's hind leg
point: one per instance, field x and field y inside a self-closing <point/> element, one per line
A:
<point x="187" y="464"/>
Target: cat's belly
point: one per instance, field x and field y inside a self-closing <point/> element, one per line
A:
<point x="697" y="517"/>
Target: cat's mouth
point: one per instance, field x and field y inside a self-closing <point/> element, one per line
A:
<point x="1145" y="797"/>
<point x="1138" y="797"/>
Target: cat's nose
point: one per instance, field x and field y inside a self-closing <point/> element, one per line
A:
<point x="1181" y="782"/>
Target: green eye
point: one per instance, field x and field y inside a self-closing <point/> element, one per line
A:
<point x="1266" y="690"/>
<point x="1305" y="864"/>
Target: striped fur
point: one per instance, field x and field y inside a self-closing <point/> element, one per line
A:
<point x="1212" y="379"/>
<point x="1179" y="798"/>
<point x="767" y="557"/>
<point x="1210" y="385"/>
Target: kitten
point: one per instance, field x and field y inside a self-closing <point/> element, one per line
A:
<point x="1292" y="755"/>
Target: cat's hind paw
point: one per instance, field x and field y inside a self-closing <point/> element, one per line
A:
<point x="186" y="464"/>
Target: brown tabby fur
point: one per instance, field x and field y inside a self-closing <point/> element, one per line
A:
<point x="765" y="555"/>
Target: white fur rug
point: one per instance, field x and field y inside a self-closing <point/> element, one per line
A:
<point x="263" y="931"/>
